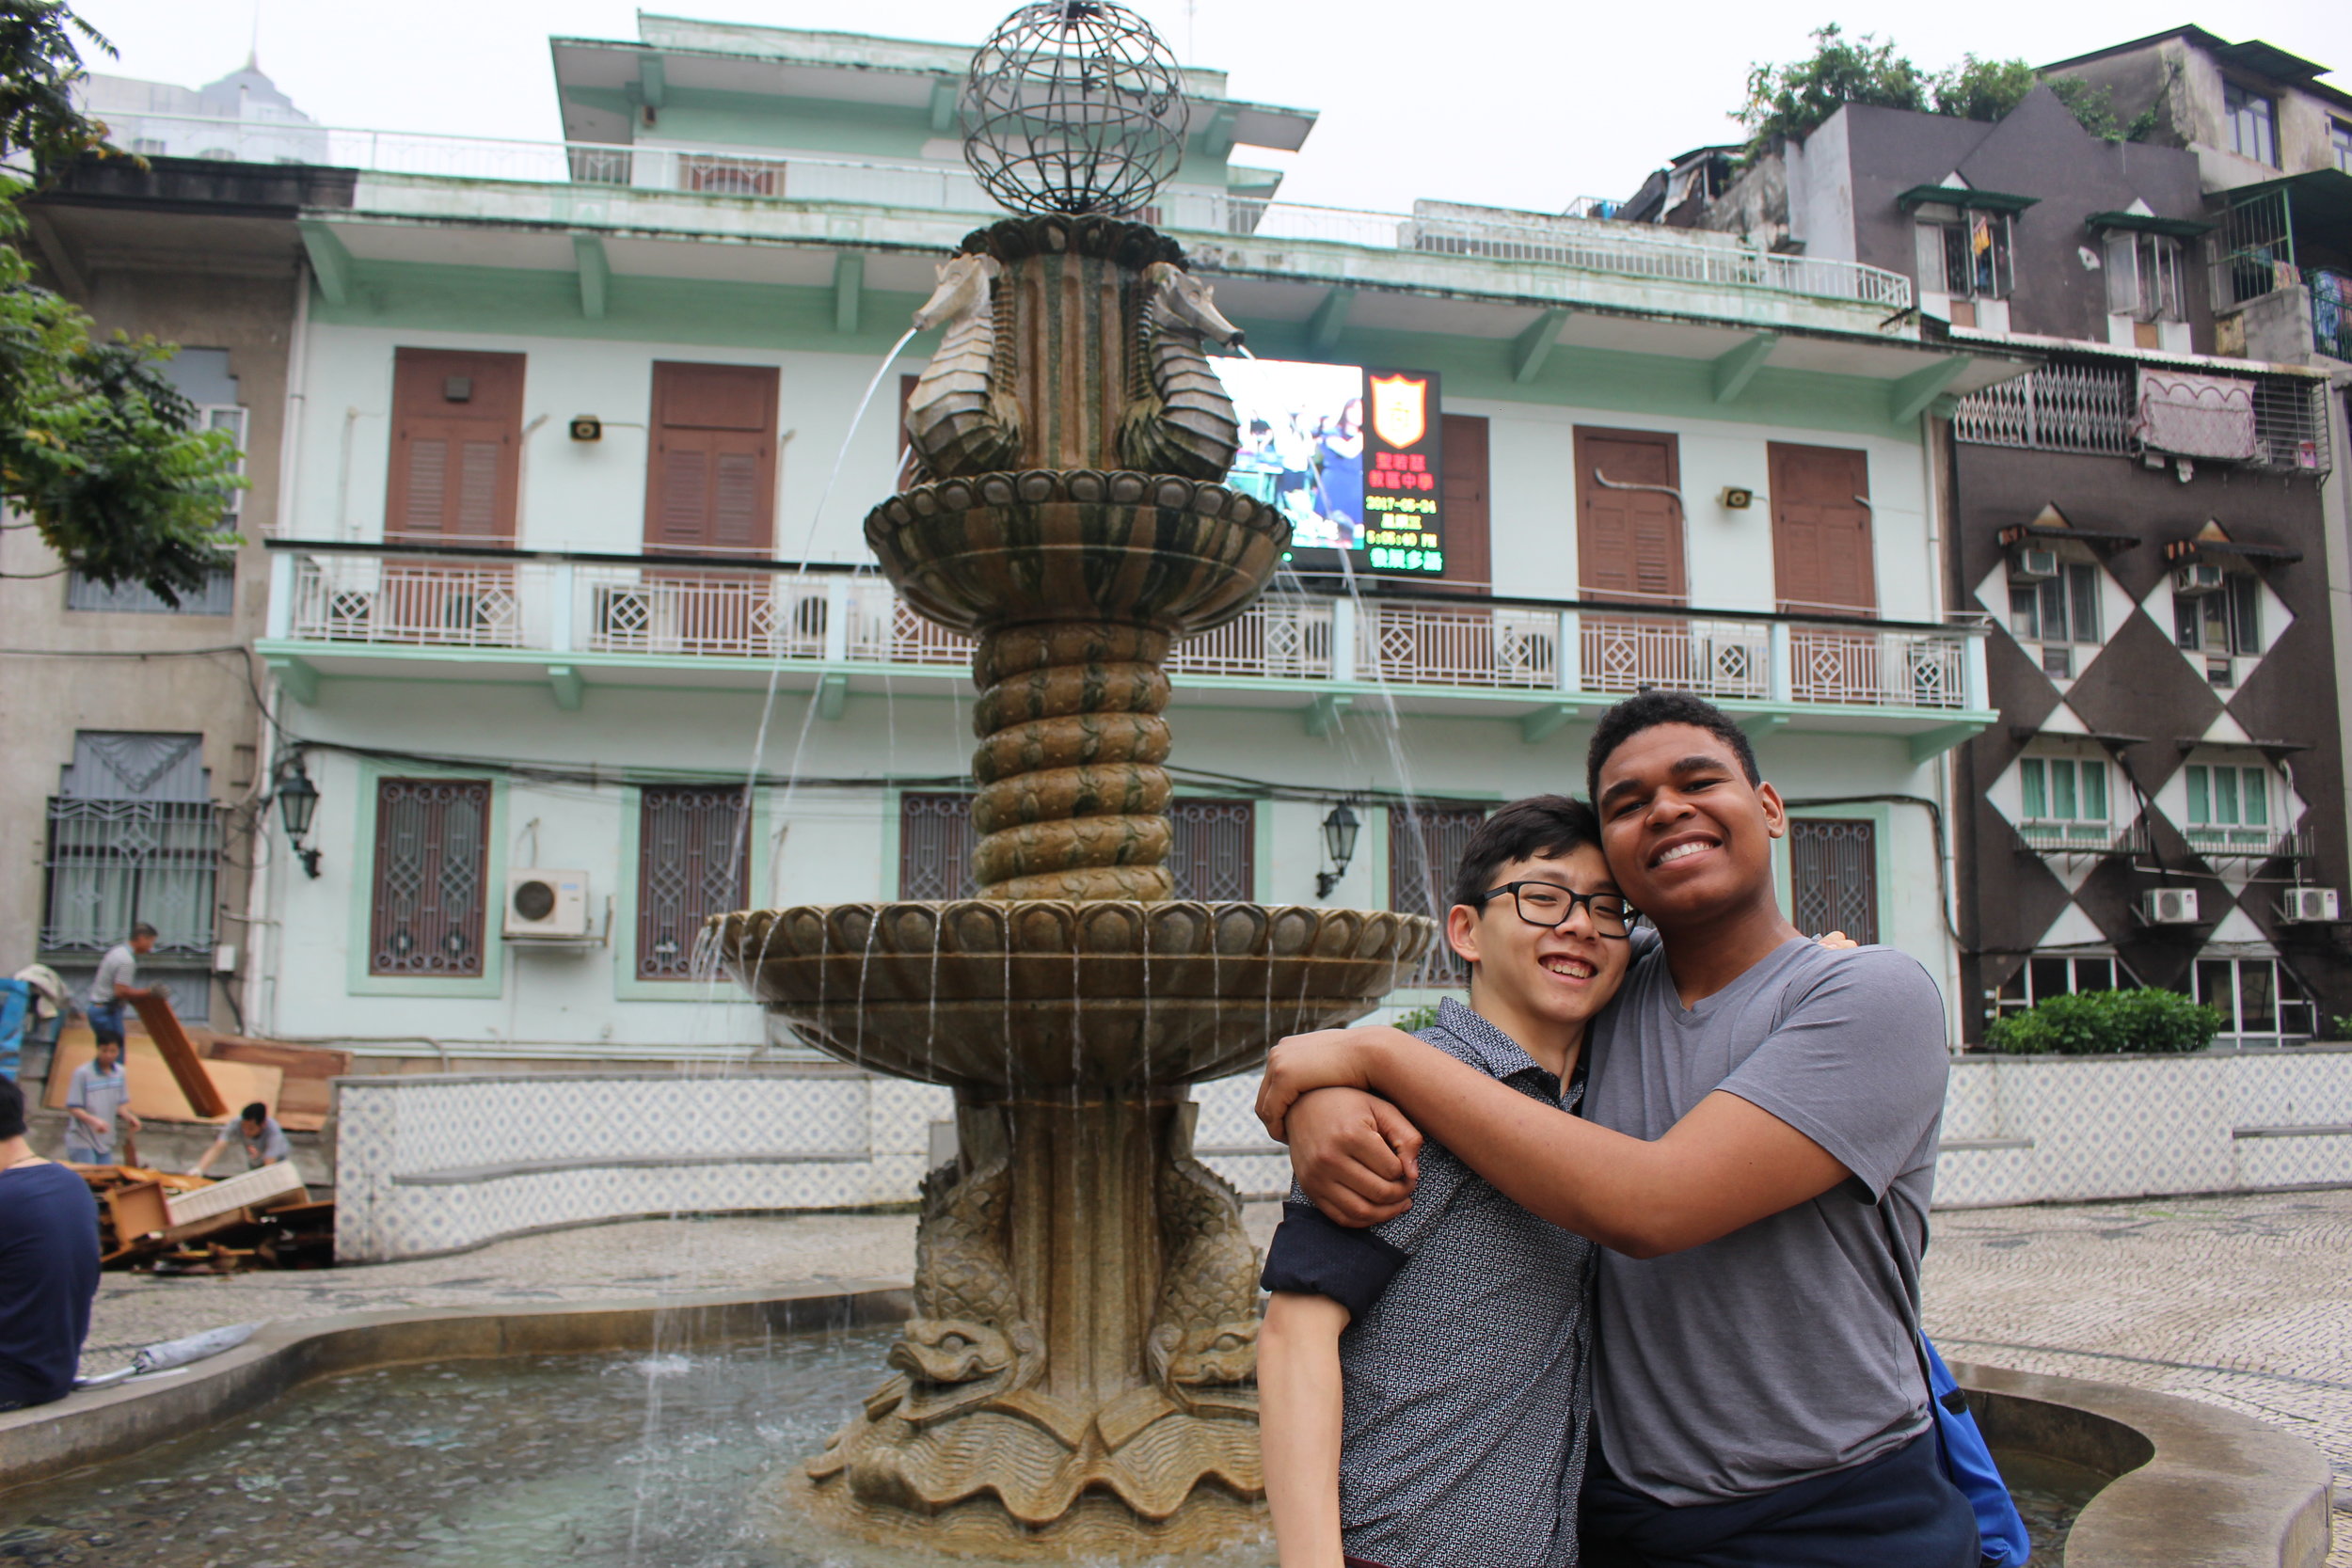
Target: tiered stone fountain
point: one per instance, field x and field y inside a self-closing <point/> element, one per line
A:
<point x="1078" y="1374"/>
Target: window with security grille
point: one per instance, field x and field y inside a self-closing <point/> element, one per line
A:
<point x="2057" y="613"/>
<point x="1426" y="844"/>
<point x="935" y="846"/>
<point x="2223" y="623"/>
<point x="2042" y="976"/>
<point x="694" y="861"/>
<point x="1834" y="876"/>
<point x="132" y="836"/>
<point x="432" y="860"/>
<point x="1213" y="855"/>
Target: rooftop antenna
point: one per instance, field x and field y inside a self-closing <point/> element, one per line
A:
<point x="253" y="50"/>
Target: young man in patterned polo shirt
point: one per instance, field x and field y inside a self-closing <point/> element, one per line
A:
<point x="1423" y="1383"/>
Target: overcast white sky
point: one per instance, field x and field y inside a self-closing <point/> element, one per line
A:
<point x="1516" y="104"/>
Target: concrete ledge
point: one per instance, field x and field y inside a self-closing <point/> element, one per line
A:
<point x="111" y="1423"/>
<point x="458" y="1176"/>
<point x="1980" y="1146"/>
<point x="2337" y="1130"/>
<point x="2196" y="1487"/>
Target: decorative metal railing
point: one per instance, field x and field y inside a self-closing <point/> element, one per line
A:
<point x="954" y="199"/>
<point x="2249" y="844"/>
<point x="669" y="608"/>
<point x="2078" y="840"/>
<point x="2057" y="408"/>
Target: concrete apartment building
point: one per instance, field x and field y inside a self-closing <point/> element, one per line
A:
<point x="2151" y="521"/>
<point x="135" y="730"/>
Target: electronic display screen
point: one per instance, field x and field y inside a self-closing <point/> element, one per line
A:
<point x="1349" y="453"/>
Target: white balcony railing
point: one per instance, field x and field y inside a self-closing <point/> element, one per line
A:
<point x="663" y="610"/>
<point x="950" y="192"/>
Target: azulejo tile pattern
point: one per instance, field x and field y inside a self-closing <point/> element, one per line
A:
<point x="2015" y="1131"/>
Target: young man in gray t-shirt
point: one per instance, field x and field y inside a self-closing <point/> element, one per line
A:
<point x="1758" y="1141"/>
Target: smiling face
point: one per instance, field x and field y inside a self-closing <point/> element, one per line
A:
<point x="1530" y="977"/>
<point x="1689" y="837"/>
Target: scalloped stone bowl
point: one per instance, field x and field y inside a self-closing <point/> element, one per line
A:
<point x="1046" y="994"/>
<point x="1147" y="549"/>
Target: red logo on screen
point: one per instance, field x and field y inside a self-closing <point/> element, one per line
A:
<point x="1400" y="409"/>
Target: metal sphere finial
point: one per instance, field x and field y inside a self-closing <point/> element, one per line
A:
<point x="1073" y="106"/>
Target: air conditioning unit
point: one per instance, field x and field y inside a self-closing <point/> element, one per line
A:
<point x="2310" y="905"/>
<point x="2033" y="566"/>
<point x="2168" y="906"/>
<point x="547" y="903"/>
<point x="2196" y="579"/>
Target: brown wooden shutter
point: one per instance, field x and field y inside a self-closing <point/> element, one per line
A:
<point x="1629" y="543"/>
<point x="457" y="447"/>
<point x="710" y="478"/>
<point x="1469" y="553"/>
<point x="1822" y="550"/>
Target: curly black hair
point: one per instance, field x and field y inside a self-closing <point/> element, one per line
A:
<point x="1650" y="709"/>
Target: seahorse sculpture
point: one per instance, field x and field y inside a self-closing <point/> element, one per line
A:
<point x="1204" y="1348"/>
<point x="1179" y="419"/>
<point x="961" y="417"/>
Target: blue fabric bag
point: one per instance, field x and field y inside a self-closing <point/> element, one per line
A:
<point x="2001" y="1535"/>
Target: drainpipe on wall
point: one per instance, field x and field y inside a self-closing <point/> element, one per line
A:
<point x="1935" y="448"/>
<point x="2335" y="526"/>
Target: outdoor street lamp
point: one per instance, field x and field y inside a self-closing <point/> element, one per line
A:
<point x="297" y="802"/>
<point x="1339" y="842"/>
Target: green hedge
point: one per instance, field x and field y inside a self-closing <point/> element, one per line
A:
<point x="2106" y="1023"/>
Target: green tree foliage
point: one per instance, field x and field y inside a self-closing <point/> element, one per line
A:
<point x="98" y="451"/>
<point x="1793" y="99"/>
<point x="2106" y="1023"/>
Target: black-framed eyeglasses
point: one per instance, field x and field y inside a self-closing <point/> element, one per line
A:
<point x="1551" y="906"/>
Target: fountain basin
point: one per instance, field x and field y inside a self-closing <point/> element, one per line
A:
<point x="2190" y="1484"/>
<point x="1049" y="995"/>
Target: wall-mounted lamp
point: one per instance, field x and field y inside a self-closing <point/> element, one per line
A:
<point x="1735" y="497"/>
<point x="1339" y="842"/>
<point x="587" y="427"/>
<point x="298" y="803"/>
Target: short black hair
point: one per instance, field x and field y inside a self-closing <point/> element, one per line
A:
<point x="1538" y="825"/>
<point x="11" y="1109"/>
<point x="256" y="1112"/>
<point x="1650" y="709"/>
<point x="142" y="929"/>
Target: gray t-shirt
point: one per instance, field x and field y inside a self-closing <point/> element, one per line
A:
<point x="119" y="967"/>
<point x="103" y="1095"/>
<point x="271" y="1144"/>
<point x="1781" y="1350"/>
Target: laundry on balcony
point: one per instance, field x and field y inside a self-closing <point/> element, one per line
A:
<point x="2195" y="416"/>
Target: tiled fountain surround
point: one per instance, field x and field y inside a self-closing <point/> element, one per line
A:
<point x="432" y="1162"/>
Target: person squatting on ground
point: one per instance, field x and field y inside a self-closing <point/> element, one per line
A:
<point x="1757" y="1138"/>
<point x="48" y="1265"/>
<point x="265" y="1142"/>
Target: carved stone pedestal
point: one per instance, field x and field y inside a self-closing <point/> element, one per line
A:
<point x="1084" y="1340"/>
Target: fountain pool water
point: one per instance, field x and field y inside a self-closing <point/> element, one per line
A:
<point x="636" y="1459"/>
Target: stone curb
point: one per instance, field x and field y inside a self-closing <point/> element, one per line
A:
<point x="95" y="1426"/>
<point x="2196" y="1487"/>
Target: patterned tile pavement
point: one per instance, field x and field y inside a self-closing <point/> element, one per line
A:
<point x="2243" y="1302"/>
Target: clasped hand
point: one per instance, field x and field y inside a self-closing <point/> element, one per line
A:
<point x="1357" y="1155"/>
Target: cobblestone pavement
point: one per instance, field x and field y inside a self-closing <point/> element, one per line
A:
<point x="2242" y="1302"/>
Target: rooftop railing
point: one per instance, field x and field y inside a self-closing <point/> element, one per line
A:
<point x="669" y="608"/>
<point x="954" y="199"/>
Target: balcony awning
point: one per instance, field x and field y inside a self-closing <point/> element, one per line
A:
<point x="2098" y="539"/>
<point x="2271" y="749"/>
<point x="2148" y="223"/>
<point x="2113" y="742"/>
<point x="1964" y="198"/>
<point x="2199" y="549"/>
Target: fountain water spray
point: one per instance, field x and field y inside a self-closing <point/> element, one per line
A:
<point x="1079" y="1373"/>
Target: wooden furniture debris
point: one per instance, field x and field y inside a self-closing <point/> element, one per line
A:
<point x="306" y="1074"/>
<point x="188" y="1068"/>
<point x="155" y="1094"/>
<point x="171" y="1224"/>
